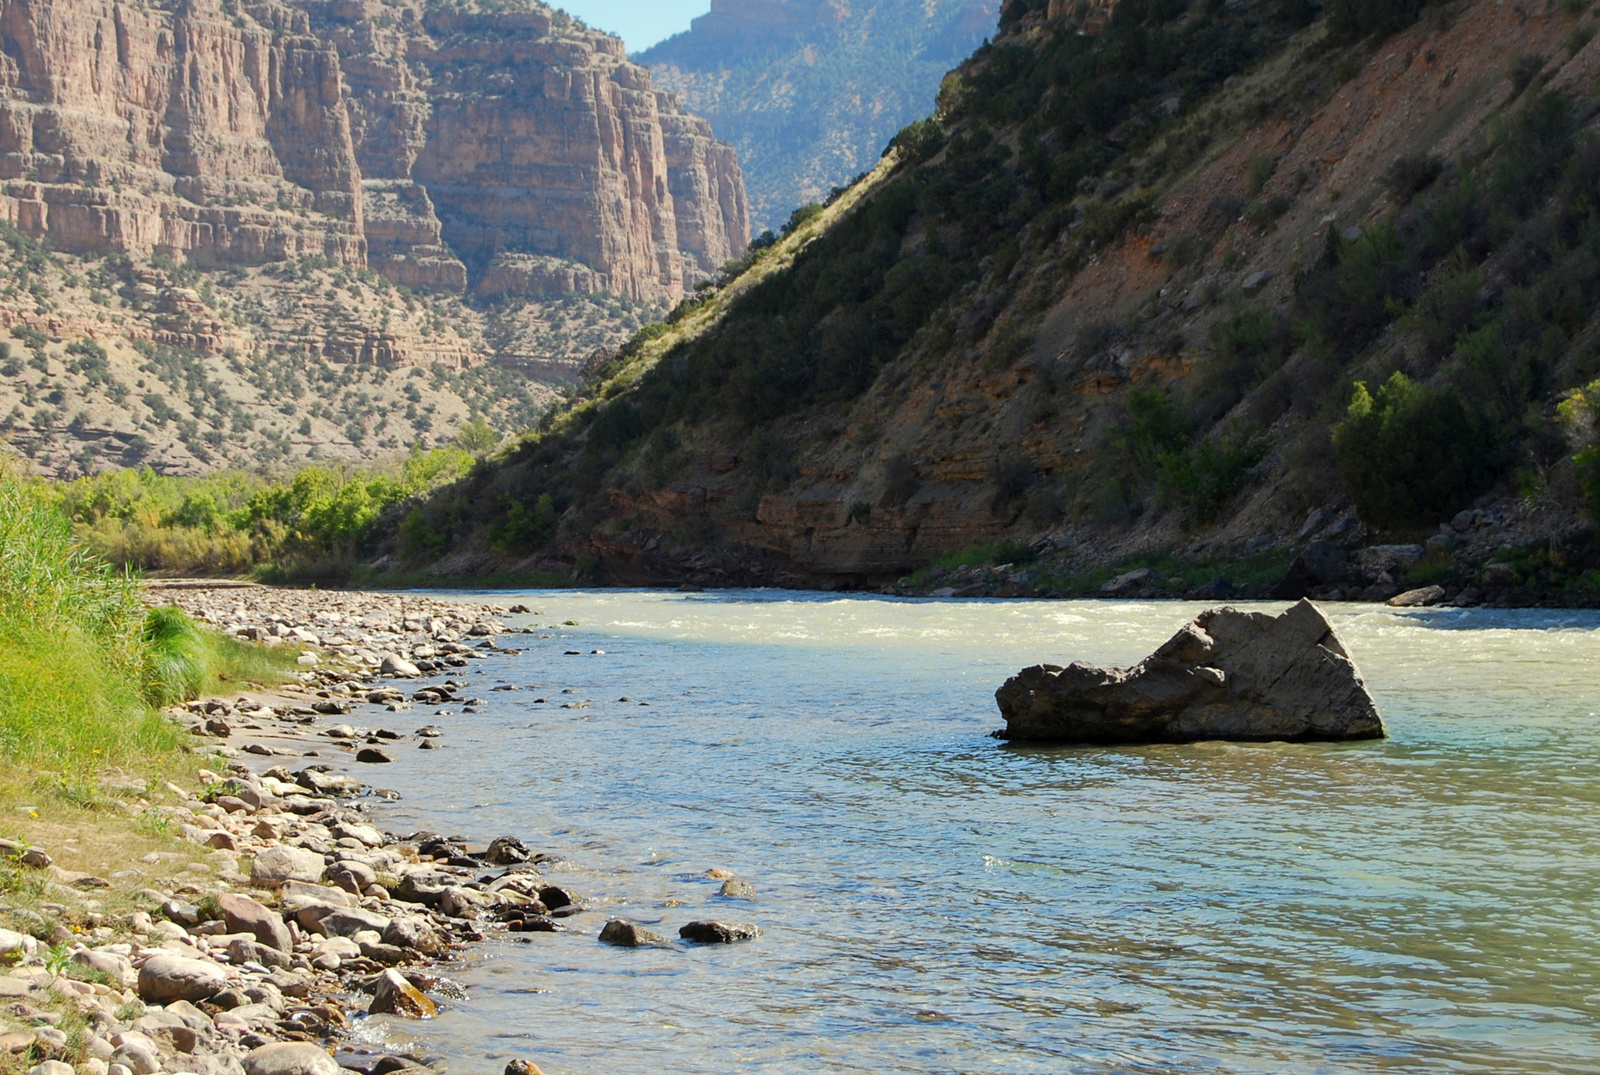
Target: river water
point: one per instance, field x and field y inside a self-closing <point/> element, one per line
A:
<point x="936" y="901"/>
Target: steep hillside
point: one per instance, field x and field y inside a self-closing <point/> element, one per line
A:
<point x="271" y="194"/>
<point x="810" y="91"/>
<point x="1196" y="288"/>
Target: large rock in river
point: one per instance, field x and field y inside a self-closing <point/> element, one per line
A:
<point x="1228" y="675"/>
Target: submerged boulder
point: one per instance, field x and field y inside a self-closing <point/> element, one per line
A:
<point x="1228" y="675"/>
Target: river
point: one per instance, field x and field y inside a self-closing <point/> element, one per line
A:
<point x="936" y="901"/>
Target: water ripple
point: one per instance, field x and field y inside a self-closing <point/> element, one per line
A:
<point x="937" y="902"/>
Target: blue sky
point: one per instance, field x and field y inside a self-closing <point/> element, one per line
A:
<point x="640" y="23"/>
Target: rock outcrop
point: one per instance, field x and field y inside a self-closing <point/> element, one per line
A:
<point x="1228" y="675"/>
<point x="428" y="140"/>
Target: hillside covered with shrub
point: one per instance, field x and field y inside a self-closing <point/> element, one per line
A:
<point x="1205" y="284"/>
<point x="808" y="91"/>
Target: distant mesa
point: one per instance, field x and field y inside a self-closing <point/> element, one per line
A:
<point x="1229" y="675"/>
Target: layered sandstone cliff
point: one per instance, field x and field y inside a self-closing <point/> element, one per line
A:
<point x="514" y="152"/>
<point x="139" y="128"/>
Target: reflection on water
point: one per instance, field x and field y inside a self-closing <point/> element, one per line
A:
<point x="936" y="901"/>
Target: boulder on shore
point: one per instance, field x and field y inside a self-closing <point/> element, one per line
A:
<point x="290" y="1058"/>
<point x="1234" y="675"/>
<point x="397" y="996"/>
<point x="166" y="978"/>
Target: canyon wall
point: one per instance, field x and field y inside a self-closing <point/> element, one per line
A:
<point x="810" y="91"/>
<point x="133" y="128"/>
<point x="511" y="153"/>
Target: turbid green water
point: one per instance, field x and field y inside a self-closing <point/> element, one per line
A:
<point x="935" y="901"/>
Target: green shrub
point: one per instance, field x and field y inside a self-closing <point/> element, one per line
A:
<point x="419" y="539"/>
<point x="1434" y="567"/>
<point x="1446" y="310"/>
<point x="1410" y="175"/>
<point x="73" y="667"/>
<point x="1412" y="455"/>
<point x="918" y="141"/>
<point x="1522" y="70"/>
<point x="1353" y="20"/>
<point x="986" y="555"/>
<point x="233" y="522"/>
<point x="1202" y="480"/>
<point x="1258" y="168"/>
<point x="1245" y="350"/>
<point x="801" y="217"/>
<point x="1153" y="428"/>
<point x="175" y="656"/>
<point x="476" y="437"/>
<point x="524" y="528"/>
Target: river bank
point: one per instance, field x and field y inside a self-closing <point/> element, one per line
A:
<point x="295" y="914"/>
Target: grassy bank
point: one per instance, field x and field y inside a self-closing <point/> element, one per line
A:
<point x="84" y="664"/>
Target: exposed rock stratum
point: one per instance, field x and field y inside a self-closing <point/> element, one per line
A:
<point x="1227" y="675"/>
<point x="514" y="152"/>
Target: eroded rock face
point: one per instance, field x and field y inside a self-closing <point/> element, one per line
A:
<point x="1231" y="675"/>
<point x="431" y="140"/>
<point x="131" y="128"/>
<point x="524" y="153"/>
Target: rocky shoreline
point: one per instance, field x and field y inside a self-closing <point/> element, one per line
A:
<point x="312" y="914"/>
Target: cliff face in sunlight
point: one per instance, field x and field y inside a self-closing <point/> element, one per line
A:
<point x="515" y="153"/>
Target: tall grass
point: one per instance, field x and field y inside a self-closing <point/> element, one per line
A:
<point x="185" y="659"/>
<point x="78" y="670"/>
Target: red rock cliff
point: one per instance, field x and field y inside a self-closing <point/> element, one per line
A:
<point x="516" y="152"/>
<point x="137" y="128"/>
